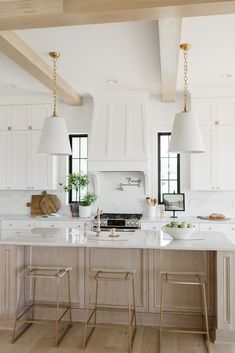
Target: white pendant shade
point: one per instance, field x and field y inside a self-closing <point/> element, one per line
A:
<point x="54" y="138"/>
<point x="186" y="134"/>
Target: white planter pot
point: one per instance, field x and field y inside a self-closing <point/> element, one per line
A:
<point x="84" y="211"/>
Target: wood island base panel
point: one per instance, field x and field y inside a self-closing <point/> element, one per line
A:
<point x="148" y="253"/>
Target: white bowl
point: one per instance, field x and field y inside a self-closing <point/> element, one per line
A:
<point x="178" y="233"/>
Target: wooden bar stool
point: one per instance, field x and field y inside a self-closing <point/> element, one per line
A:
<point x="184" y="279"/>
<point x="47" y="274"/>
<point x="127" y="277"/>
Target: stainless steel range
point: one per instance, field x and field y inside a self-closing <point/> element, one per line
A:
<point x="126" y="222"/>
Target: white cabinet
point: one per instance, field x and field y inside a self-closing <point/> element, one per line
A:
<point x="226" y="158"/>
<point x="151" y="226"/>
<point x="203" y="165"/>
<point x="22" y="168"/>
<point x="221" y="227"/>
<point x="215" y="169"/>
<point x="19" y="161"/>
<point x="212" y="111"/>
<point x="5" y="224"/>
<point x="4" y="160"/>
<point x="43" y="168"/>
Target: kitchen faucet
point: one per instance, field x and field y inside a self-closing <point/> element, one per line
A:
<point x="98" y="213"/>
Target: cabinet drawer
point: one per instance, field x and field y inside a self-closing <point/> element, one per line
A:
<point x="225" y="228"/>
<point x="18" y="224"/>
<point x="151" y="226"/>
<point x="59" y="224"/>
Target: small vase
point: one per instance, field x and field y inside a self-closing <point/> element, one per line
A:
<point x="74" y="208"/>
<point x="84" y="211"/>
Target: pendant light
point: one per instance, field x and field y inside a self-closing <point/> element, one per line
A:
<point x="54" y="138"/>
<point x="186" y="135"/>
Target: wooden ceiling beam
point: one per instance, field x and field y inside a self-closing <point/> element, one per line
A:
<point x="24" y="14"/>
<point x="169" y="41"/>
<point x="19" y="52"/>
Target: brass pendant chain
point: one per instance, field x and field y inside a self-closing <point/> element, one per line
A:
<point x="54" y="56"/>
<point x="185" y="48"/>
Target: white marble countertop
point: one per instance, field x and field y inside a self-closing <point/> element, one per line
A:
<point x="28" y="217"/>
<point x="144" y="219"/>
<point x="141" y="239"/>
<point x="188" y="219"/>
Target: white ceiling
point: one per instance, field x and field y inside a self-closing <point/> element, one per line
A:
<point x="212" y="52"/>
<point x="92" y="54"/>
<point x="127" y="52"/>
<point x="15" y="81"/>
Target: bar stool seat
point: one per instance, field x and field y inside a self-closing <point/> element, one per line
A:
<point x="43" y="273"/>
<point x="185" y="279"/>
<point x="127" y="277"/>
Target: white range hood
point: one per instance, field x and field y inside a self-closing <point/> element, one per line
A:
<point x="119" y="136"/>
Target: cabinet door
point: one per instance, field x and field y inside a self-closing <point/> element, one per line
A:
<point x="203" y="165"/>
<point x="20" y="165"/>
<point x="226" y="158"/>
<point x="151" y="226"/>
<point x="43" y="167"/>
<point x="38" y="114"/>
<point x="115" y="293"/>
<point x="20" y="117"/>
<point x="4" y="118"/>
<point x="225" y="108"/>
<point x="11" y="265"/>
<point x="204" y="108"/>
<point x="4" y="159"/>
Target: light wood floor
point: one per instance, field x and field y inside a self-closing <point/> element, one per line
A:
<point x="38" y="339"/>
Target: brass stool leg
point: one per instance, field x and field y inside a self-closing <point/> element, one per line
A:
<point x="69" y="298"/>
<point x="206" y="316"/>
<point x="133" y="300"/>
<point x="33" y="299"/>
<point x="89" y="317"/>
<point x="57" y="313"/>
<point x="96" y="298"/>
<point x="161" y="313"/>
<point x="129" y="315"/>
<point x="21" y="290"/>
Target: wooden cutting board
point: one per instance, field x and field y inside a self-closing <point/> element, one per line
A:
<point x="49" y="203"/>
<point x="207" y="218"/>
<point x="35" y="205"/>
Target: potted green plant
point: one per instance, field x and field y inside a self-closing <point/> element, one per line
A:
<point x="85" y="204"/>
<point x="76" y="181"/>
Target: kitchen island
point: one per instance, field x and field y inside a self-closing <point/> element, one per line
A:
<point x="147" y="252"/>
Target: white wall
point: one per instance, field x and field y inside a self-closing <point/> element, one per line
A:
<point x="132" y="199"/>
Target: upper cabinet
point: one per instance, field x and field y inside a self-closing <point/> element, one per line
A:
<point x="214" y="111"/>
<point x="22" y="168"/>
<point x="215" y="169"/>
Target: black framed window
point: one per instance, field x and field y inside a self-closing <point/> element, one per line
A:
<point x="78" y="160"/>
<point x="168" y="167"/>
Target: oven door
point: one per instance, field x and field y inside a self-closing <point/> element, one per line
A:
<point x="118" y="229"/>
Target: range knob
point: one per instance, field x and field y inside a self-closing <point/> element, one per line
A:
<point x="137" y="224"/>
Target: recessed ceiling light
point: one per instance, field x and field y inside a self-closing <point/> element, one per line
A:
<point x="112" y="81"/>
<point x="226" y="75"/>
<point x="10" y="85"/>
